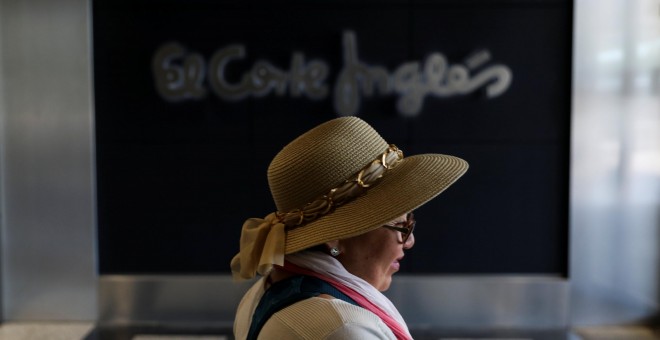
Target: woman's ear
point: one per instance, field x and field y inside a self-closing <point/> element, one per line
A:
<point x="332" y="244"/>
<point x="333" y="248"/>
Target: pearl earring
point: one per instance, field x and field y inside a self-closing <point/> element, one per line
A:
<point x="334" y="251"/>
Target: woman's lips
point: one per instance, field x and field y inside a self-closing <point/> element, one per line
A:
<point x="395" y="264"/>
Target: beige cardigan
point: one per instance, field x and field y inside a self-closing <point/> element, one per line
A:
<point x="313" y="318"/>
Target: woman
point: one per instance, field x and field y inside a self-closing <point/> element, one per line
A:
<point x="344" y="201"/>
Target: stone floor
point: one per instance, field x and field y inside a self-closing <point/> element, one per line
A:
<point x="88" y="331"/>
<point x="618" y="333"/>
<point x="44" y="330"/>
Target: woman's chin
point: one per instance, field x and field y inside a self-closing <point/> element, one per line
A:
<point x="385" y="284"/>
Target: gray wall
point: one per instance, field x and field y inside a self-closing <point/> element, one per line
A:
<point x="47" y="194"/>
<point x="48" y="246"/>
<point x="2" y="162"/>
<point x="615" y="192"/>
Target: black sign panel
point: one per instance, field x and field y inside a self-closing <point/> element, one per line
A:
<point x="193" y="99"/>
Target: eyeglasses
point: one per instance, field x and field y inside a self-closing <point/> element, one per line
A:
<point x="406" y="228"/>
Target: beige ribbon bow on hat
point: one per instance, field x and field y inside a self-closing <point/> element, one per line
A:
<point x="262" y="246"/>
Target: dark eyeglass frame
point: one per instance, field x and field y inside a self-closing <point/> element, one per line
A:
<point x="406" y="228"/>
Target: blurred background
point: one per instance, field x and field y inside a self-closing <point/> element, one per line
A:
<point x="135" y="137"/>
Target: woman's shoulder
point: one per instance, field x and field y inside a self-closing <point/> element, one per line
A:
<point x="322" y="318"/>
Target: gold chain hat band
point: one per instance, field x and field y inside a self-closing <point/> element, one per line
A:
<point x="350" y="189"/>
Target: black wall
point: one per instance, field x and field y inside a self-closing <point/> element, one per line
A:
<point x="178" y="171"/>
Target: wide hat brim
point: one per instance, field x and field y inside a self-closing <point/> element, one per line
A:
<point x="413" y="182"/>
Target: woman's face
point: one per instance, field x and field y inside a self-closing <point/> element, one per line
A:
<point x="375" y="256"/>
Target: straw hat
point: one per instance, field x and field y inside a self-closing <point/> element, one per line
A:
<point x="338" y="180"/>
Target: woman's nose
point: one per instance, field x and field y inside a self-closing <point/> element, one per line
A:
<point x="410" y="242"/>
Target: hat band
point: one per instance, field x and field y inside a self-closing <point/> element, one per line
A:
<point x="351" y="189"/>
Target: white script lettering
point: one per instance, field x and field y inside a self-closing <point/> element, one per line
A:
<point x="180" y="76"/>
